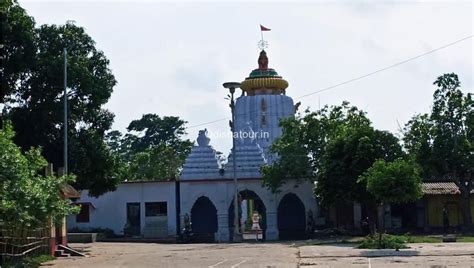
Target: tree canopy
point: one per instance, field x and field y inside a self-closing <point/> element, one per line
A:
<point x="442" y="142"/>
<point x="393" y="182"/>
<point x="33" y="95"/>
<point x="332" y="147"/>
<point x="152" y="149"/>
<point x="304" y="140"/>
<point x="346" y="157"/>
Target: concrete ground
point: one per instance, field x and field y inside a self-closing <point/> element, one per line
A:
<point x="181" y="255"/>
<point x="432" y="255"/>
<point x="266" y="255"/>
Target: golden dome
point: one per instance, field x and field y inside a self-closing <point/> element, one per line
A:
<point x="264" y="79"/>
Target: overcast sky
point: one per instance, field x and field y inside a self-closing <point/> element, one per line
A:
<point x="172" y="58"/>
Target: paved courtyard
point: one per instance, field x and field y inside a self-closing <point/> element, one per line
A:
<point x="266" y="255"/>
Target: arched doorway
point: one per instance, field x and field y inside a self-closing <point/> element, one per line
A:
<point x="249" y="202"/>
<point x="291" y="218"/>
<point x="204" y="219"/>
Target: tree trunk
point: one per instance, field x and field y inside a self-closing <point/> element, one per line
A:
<point x="371" y="210"/>
<point x="380" y="222"/>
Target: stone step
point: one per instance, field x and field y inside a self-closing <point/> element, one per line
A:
<point x="70" y="251"/>
<point x="60" y="253"/>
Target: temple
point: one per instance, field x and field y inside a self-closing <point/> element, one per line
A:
<point x="209" y="201"/>
<point x="204" y="193"/>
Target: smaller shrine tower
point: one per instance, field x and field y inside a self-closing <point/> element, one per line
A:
<point x="262" y="104"/>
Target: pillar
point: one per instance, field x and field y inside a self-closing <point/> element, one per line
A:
<point x="63" y="233"/>
<point x="272" y="226"/>
<point x="222" y="234"/>
<point x="52" y="238"/>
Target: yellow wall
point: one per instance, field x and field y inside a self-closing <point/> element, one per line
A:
<point x="436" y="204"/>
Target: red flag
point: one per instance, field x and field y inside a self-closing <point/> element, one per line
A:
<point x="263" y="28"/>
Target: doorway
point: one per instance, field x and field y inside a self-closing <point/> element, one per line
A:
<point x="249" y="204"/>
<point x="291" y="218"/>
<point x="204" y="219"/>
<point x="133" y="220"/>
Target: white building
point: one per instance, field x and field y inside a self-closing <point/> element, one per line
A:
<point x="205" y="190"/>
<point x="148" y="207"/>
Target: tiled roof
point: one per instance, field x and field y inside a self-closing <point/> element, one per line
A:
<point x="69" y="192"/>
<point x="434" y="188"/>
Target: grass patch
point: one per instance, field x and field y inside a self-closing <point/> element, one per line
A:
<point x="465" y="239"/>
<point x="423" y="239"/>
<point x="406" y="238"/>
<point x="437" y="239"/>
<point x="335" y="240"/>
<point x="37" y="261"/>
<point x="27" y="262"/>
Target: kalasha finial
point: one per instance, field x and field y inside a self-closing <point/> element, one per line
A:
<point x="262" y="44"/>
<point x="263" y="60"/>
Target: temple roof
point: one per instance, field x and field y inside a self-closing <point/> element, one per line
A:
<point x="263" y="73"/>
<point x="202" y="162"/>
<point x="249" y="158"/>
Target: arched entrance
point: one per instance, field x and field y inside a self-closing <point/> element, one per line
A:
<point x="291" y="218"/>
<point x="204" y="219"/>
<point x="249" y="202"/>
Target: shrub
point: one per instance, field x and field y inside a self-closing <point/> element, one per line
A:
<point x="387" y="241"/>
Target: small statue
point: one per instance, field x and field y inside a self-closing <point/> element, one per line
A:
<point x="263" y="61"/>
<point x="187" y="229"/>
<point x="187" y="221"/>
<point x="297" y="106"/>
<point x="256" y="223"/>
<point x="203" y="139"/>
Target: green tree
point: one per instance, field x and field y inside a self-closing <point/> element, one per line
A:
<point x="393" y="182"/>
<point x="346" y="157"/>
<point x="33" y="95"/>
<point x="331" y="147"/>
<point x="152" y="149"/>
<point x="304" y="140"/>
<point x="442" y="142"/>
<point x="19" y="47"/>
<point x="27" y="198"/>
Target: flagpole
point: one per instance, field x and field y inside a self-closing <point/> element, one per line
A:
<point x="262" y="44"/>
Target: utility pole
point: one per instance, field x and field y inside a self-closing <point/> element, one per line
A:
<point x="68" y="22"/>
<point x="65" y="112"/>
<point x="237" y="237"/>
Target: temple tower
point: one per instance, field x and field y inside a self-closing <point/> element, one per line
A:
<point x="262" y="104"/>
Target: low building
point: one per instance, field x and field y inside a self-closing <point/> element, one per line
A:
<point x="443" y="195"/>
<point x="144" y="209"/>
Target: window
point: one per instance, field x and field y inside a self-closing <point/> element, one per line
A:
<point x="83" y="215"/>
<point x="153" y="209"/>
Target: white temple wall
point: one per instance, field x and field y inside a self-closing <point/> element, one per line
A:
<point x="304" y="190"/>
<point x="111" y="208"/>
<point x="221" y="194"/>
